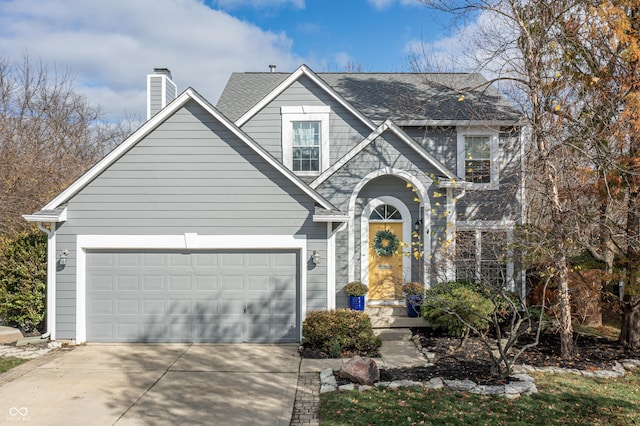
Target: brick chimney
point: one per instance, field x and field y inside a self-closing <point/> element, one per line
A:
<point x="161" y="90"/>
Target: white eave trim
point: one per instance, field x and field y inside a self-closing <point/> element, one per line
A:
<point x="302" y="70"/>
<point x="146" y="128"/>
<point x="330" y="218"/>
<point x="449" y="123"/>
<point x="387" y="125"/>
<point x="46" y="217"/>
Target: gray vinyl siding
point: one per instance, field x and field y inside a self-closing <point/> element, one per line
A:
<point x="389" y="152"/>
<point x="504" y="202"/>
<point x="441" y="142"/>
<point x="190" y="175"/>
<point x="346" y="130"/>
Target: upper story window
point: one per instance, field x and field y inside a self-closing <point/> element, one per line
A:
<point x="478" y="157"/>
<point x="305" y="139"/>
<point x="306" y="146"/>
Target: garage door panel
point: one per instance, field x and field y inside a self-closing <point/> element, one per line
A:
<point x="154" y="283"/>
<point x="127" y="283"/>
<point x="192" y="297"/>
<point x="128" y="307"/>
<point x="179" y="283"/>
<point x="153" y="306"/>
<point x="206" y="283"/>
<point x="179" y="260"/>
<point x="102" y="283"/>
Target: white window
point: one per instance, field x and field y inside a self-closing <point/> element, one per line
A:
<point x="305" y="139"/>
<point x="306" y="146"/>
<point x="484" y="255"/>
<point x="478" y="157"/>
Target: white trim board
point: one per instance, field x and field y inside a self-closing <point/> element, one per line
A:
<point x="188" y="241"/>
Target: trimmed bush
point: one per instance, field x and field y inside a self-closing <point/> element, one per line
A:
<point x="340" y="332"/>
<point x="455" y="306"/>
<point x="23" y="276"/>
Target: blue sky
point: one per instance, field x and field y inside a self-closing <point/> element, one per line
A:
<point x="109" y="46"/>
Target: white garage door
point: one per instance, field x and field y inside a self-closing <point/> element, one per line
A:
<point x="221" y="296"/>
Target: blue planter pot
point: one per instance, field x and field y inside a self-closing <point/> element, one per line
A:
<point x="356" y="303"/>
<point x="414" y="302"/>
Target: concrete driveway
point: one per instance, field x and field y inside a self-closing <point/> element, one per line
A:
<point x="155" y="384"/>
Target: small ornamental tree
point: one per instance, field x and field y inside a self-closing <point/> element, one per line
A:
<point x="23" y="276"/>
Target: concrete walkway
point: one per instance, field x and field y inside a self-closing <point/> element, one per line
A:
<point x="154" y="384"/>
<point x="397" y="350"/>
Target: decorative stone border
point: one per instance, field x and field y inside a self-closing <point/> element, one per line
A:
<point x="523" y="384"/>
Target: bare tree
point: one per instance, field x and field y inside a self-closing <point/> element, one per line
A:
<point x="518" y="48"/>
<point x="49" y="135"/>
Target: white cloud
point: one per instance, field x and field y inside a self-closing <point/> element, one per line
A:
<point x="383" y="4"/>
<point x="111" y="45"/>
<point x="469" y="48"/>
<point x="234" y="4"/>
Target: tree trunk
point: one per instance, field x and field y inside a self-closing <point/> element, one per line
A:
<point x="630" y="330"/>
<point x="566" y="328"/>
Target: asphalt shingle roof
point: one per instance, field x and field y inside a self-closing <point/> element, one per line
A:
<point x="379" y="96"/>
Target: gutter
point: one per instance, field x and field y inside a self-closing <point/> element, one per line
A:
<point x="51" y="277"/>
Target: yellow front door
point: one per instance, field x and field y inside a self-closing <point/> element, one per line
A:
<point x="385" y="272"/>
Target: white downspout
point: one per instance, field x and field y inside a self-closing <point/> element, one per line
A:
<point x="51" y="279"/>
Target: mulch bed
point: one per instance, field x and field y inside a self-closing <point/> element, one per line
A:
<point x="471" y="361"/>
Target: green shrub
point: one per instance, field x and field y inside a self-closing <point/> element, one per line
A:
<point x="340" y="332"/>
<point x="23" y="276"/>
<point x="454" y="306"/>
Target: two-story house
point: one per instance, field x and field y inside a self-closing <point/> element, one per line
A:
<point x="229" y="223"/>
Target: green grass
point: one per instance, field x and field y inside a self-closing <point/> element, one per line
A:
<point x="8" y="363"/>
<point x="562" y="399"/>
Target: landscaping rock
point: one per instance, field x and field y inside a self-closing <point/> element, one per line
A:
<point x="488" y="390"/>
<point x="403" y="384"/>
<point x="360" y="370"/>
<point x="518" y="388"/>
<point x="631" y="364"/>
<point x="435" y="383"/>
<point x="460" y="385"/>
<point x="9" y="335"/>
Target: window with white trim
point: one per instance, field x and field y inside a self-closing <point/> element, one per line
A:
<point x="482" y="256"/>
<point x="478" y="157"/>
<point x="305" y="138"/>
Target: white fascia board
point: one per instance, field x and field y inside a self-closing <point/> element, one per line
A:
<point x="110" y="158"/>
<point x="449" y="123"/>
<point x="330" y="218"/>
<point x="387" y="125"/>
<point x="302" y="70"/>
<point x="47" y="218"/>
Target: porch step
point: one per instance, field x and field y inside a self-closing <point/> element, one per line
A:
<point x="392" y="314"/>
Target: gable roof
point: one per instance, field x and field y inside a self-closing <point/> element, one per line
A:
<point x="406" y="98"/>
<point x="150" y="125"/>
<point x="388" y="125"/>
<point x="303" y="70"/>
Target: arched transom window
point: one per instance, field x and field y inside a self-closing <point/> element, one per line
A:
<point x="385" y="213"/>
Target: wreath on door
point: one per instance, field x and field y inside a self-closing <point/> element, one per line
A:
<point x="385" y="243"/>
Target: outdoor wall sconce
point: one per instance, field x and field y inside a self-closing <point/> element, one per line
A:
<point x="417" y="225"/>
<point x="315" y="257"/>
<point x="62" y="260"/>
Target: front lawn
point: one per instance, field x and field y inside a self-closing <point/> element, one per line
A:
<point x="562" y="399"/>
<point x="8" y="363"/>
